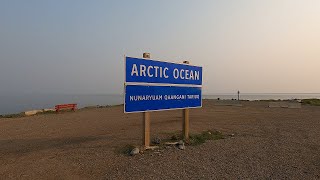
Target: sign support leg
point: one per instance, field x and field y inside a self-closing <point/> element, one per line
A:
<point x="185" y="119"/>
<point x="185" y="124"/>
<point x="146" y="119"/>
<point x="146" y="129"/>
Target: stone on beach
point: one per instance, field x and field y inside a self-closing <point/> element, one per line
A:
<point x="134" y="151"/>
<point x="33" y="112"/>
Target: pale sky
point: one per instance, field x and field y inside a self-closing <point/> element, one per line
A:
<point x="77" y="46"/>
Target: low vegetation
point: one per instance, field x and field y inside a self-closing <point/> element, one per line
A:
<point x="46" y="112"/>
<point x="269" y="100"/>
<point x="12" y="115"/>
<point x="18" y="115"/>
<point x="312" y="102"/>
<point x="197" y="139"/>
<point x="194" y="140"/>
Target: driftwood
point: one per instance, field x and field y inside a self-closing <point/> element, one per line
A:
<point x="171" y="143"/>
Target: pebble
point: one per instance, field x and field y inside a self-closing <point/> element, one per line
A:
<point x="181" y="147"/>
<point x="134" y="151"/>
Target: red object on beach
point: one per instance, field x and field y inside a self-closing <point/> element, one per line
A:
<point x="73" y="107"/>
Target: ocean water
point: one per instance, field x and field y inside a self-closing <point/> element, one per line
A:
<point x="18" y="103"/>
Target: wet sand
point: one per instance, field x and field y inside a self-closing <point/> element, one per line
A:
<point x="268" y="143"/>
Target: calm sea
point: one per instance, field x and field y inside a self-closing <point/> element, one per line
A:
<point x="19" y="103"/>
<point x="15" y="104"/>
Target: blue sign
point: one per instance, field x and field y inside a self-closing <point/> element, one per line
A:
<point x="154" y="85"/>
<point x="151" y="71"/>
<point x="153" y="98"/>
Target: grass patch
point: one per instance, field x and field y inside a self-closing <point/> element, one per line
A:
<point x="312" y="102"/>
<point x="46" y="112"/>
<point x="197" y="139"/>
<point x="269" y="100"/>
<point x="194" y="140"/>
<point x="176" y="136"/>
<point x="12" y="115"/>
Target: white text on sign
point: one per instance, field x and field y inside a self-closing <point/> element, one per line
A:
<point x="162" y="97"/>
<point x="162" y="72"/>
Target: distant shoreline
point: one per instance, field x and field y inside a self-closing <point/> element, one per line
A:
<point x="14" y="104"/>
<point x="308" y="101"/>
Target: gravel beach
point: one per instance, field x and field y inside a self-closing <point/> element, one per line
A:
<point x="260" y="143"/>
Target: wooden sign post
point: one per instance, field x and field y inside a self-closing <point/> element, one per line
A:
<point x="185" y="119"/>
<point x="185" y="124"/>
<point x="146" y="120"/>
<point x="146" y="129"/>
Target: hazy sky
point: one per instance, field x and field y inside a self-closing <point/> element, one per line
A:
<point x="78" y="46"/>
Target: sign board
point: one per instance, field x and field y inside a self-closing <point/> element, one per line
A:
<point x="154" y="85"/>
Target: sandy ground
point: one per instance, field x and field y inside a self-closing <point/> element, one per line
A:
<point x="268" y="144"/>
